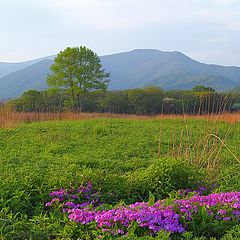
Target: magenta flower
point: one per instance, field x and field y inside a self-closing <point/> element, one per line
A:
<point x="81" y="205"/>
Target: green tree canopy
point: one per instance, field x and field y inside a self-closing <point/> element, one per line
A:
<point x="76" y="71"/>
<point x="203" y="89"/>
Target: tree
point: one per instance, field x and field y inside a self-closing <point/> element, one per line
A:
<point x="113" y="102"/>
<point x="76" y="71"/>
<point x="203" y="89"/>
<point x="32" y="101"/>
<point x="206" y="97"/>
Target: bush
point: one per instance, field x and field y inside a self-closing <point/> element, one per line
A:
<point x="162" y="177"/>
<point x="233" y="234"/>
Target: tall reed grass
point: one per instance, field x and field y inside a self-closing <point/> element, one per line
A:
<point x="202" y="151"/>
<point x="10" y="118"/>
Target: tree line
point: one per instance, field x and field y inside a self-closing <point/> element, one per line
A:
<point x="79" y="83"/>
<point x="149" y="101"/>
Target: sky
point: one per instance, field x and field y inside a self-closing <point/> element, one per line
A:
<point x="205" y="30"/>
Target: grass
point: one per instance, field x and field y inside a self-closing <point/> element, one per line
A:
<point x="9" y="118"/>
<point x="124" y="158"/>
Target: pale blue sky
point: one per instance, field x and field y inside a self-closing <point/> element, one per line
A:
<point x="206" y="30"/>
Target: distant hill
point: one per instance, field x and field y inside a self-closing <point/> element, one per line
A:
<point x="7" y="68"/>
<point x="169" y="70"/>
<point x="31" y="77"/>
<point x="137" y="68"/>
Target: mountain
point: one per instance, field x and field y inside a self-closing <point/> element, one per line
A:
<point x="134" y="69"/>
<point x="31" y="77"/>
<point x="169" y="70"/>
<point x="7" y="68"/>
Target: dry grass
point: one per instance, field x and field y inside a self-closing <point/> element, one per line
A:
<point x="9" y="118"/>
<point x="203" y="153"/>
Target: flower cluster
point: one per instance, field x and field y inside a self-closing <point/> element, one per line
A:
<point x="201" y="188"/>
<point x="71" y="198"/>
<point x="171" y="217"/>
<point x="152" y="218"/>
<point x="225" y="206"/>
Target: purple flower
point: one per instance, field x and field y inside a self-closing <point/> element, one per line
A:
<point x="81" y="208"/>
<point x="54" y="200"/>
<point x="222" y="212"/>
<point x="48" y="204"/>
<point x="74" y="196"/>
<point x="69" y="204"/>
<point x="226" y="218"/>
<point x="59" y="193"/>
<point x="236" y="212"/>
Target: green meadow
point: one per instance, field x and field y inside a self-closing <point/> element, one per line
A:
<point x="126" y="160"/>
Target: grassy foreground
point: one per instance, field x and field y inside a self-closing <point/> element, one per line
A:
<point x="124" y="160"/>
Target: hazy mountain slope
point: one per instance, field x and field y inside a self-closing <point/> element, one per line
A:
<point x="138" y="68"/>
<point x="32" y="77"/>
<point x="170" y="70"/>
<point x="7" y="68"/>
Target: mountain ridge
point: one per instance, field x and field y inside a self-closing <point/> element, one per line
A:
<point x="14" y="84"/>
<point x="133" y="69"/>
<point x="10" y="67"/>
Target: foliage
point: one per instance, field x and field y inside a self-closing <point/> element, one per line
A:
<point x="76" y="71"/>
<point x="232" y="234"/>
<point x="209" y="216"/>
<point x="203" y="89"/>
<point x="123" y="160"/>
<point x="149" y="101"/>
<point x="39" y="101"/>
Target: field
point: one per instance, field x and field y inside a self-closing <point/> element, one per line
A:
<point x="126" y="161"/>
<point x="9" y="118"/>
